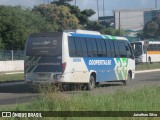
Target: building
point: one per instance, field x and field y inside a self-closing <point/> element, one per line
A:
<point x="149" y="15"/>
<point x="131" y="19"/>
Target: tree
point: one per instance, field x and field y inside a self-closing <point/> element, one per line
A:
<point x="1" y="44"/>
<point x="58" y="16"/>
<point x="112" y="31"/>
<point x="152" y="28"/>
<point x="61" y="2"/>
<point x="94" y="25"/>
<point x="83" y="16"/>
<point x="16" y="24"/>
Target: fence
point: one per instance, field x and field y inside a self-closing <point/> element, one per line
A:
<point x="11" y="55"/>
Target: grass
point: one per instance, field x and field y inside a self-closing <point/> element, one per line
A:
<point x="145" y="99"/>
<point x="148" y="66"/>
<point x="11" y="77"/>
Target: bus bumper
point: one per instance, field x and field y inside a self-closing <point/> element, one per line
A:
<point x="48" y="81"/>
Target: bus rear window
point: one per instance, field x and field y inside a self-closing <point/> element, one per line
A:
<point x="44" y="46"/>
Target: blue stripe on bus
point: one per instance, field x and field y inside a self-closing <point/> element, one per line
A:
<point x="87" y="36"/>
<point x="104" y="68"/>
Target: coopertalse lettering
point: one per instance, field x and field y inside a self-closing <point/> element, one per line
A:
<point x="99" y="62"/>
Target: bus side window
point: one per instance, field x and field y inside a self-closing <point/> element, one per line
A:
<point x="151" y="46"/>
<point x="103" y="48"/>
<point x="99" y="46"/>
<point x="128" y="49"/>
<point x="89" y="47"/>
<point x="116" y="48"/>
<point x="84" y="47"/>
<point x="112" y="48"/>
<point x="72" y="47"/>
<point x="155" y="47"/>
<point x="108" y="48"/>
<point x="158" y="47"/>
<point x="94" y="46"/>
<point x="78" y="47"/>
<point x="122" y="49"/>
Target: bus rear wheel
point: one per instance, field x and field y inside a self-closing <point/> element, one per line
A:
<point x="91" y="83"/>
<point x="126" y="82"/>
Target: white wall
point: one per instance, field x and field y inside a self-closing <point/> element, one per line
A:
<point x="130" y="19"/>
<point x="16" y="65"/>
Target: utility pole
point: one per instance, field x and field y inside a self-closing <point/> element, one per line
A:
<point x="156" y="4"/>
<point x="98" y="9"/>
<point x="47" y="1"/>
<point x="103" y="9"/>
<point x="75" y="3"/>
<point x="119" y="21"/>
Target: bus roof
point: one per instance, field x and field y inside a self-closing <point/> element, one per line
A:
<point x="92" y="34"/>
<point x="78" y="31"/>
<point x="115" y="37"/>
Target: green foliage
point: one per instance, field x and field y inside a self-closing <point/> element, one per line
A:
<point x="144" y="99"/>
<point x="61" y="2"/>
<point x="111" y="31"/>
<point x="1" y="44"/>
<point x="11" y="77"/>
<point x="152" y="28"/>
<point x="94" y="25"/>
<point x="16" y="24"/>
<point x="58" y="16"/>
<point x="83" y="16"/>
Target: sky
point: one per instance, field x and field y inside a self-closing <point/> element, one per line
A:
<point x="109" y="5"/>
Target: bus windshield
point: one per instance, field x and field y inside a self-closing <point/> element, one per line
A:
<point x="138" y="50"/>
<point x="44" y="45"/>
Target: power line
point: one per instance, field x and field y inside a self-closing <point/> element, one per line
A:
<point x="75" y="3"/>
<point x="47" y="1"/>
<point x="98" y="9"/>
<point x="103" y="9"/>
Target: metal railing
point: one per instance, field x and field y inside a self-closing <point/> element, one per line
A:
<point x="11" y="55"/>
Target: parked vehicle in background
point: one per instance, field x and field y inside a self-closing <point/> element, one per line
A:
<point x="78" y="57"/>
<point x="149" y="53"/>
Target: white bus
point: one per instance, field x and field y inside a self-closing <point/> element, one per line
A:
<point x="149" y="53"/>
<point x="78" y="57"/>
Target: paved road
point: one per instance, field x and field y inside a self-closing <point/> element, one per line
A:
<point x="20" y="92"/>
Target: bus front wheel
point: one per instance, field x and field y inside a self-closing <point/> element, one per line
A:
<point x="91" y="83"/>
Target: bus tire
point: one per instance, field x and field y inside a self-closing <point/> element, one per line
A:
<point x="126" y="82"/>
<point x="91" y="83"/>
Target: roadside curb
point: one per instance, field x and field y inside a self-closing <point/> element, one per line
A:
<point x="145" y="71"/>
<point x="11" y="83"/>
